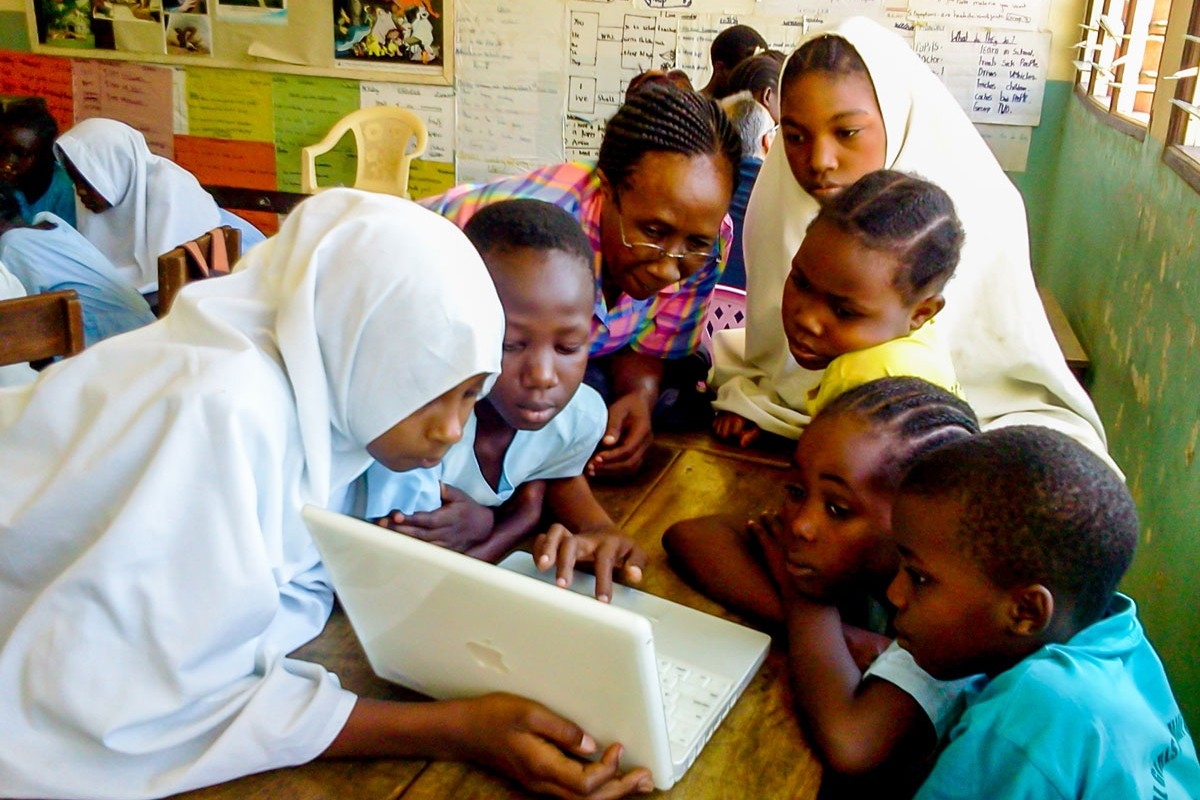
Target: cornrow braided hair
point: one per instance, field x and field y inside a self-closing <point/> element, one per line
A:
<point x="664" y="118"/>
<point x="828" y="53"/>
<point x="917" y="416"/>
<point x="907" y="216"/>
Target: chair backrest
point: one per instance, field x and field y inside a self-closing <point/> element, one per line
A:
<point x="726" y="309"/>
<point x="381" y="137"/>
<point x="39" y="327"/>
<point x="194" y="260"/>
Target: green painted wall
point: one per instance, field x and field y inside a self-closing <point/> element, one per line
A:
<point x="1119" y="250"/>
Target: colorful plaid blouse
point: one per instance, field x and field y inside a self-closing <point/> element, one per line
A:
<point x="667" y="325"/>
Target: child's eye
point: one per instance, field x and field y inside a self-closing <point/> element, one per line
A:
<point x="838" y="511"/>
<point x="844" y="312"/>
<point x="916" y="577"/>
<point x="569" y="349"/>
<point x="511" y="347"/>
<point x="795" y="492"/>
<point x="847" y="133"/>
<point x="800" y="281"/>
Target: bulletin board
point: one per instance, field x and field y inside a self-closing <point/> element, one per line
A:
<point x="409" y="41"/>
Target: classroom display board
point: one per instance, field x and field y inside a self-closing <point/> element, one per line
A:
<point x="409" y="40"/>
<point x="533" y="81"/>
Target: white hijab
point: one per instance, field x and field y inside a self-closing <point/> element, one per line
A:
<point x="157" y="205"/>
<point x="154" y="568"/>
<point x="1008" y="361"/>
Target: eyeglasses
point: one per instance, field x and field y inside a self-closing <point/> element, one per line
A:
<point x="648" y="251"/>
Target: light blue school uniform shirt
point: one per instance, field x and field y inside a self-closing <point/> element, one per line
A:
<point x="1092" y="719"/>
<point x="558" y="450"/>
<point x="58" y="199"/>
<point x="52" y="259"/>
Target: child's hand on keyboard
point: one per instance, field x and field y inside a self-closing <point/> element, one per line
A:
<point x="606" y="549"/>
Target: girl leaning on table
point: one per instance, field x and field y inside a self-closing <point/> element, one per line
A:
<point x="157" y="571"/>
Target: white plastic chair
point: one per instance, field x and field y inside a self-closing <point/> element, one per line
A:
<point x="381" y="138"/>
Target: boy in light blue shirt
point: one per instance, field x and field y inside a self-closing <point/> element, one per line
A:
<point x="531" y="436"/>
<point x="1012" y="543"/>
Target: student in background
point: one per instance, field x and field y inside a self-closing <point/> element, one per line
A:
<point x="855" y="98"/>
<point x="820" y="568"/>
<point x="865" y="288"/>
<point x="757" y="130"/>
<point x="730" y="47"/>
<point x="157" y="570"/>
<point x="27" y="163"/>
<point x="654" y="209"/>
<point x="538" y="422"/>
<point x="136" y="205"/>
<point x="759" y="75"/>
<point x="49" y="255"/>
<point x="1012" y="544"/>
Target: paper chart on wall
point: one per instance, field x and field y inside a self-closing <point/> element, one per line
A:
<point x="509" y="87"/>
<point x="609" y="44"/>
<point x="433" y="104"/>
<point x="1013" y="14"/>
<point x="997" y="76"/>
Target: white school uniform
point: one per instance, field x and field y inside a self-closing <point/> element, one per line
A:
<point x="1008" y="362"/>
<point x="52" y="259"/>
<point x="558" y="450"/>
<point x="156" y="571"/>
<point x="157" y="205"/>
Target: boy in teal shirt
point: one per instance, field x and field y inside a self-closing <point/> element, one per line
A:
<point x="1012" y="544"/>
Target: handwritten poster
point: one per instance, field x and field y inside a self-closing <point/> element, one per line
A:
<point x="230" y="104"/>
<point x="136" y="94"/>
<point x="510" y="86"/>
<point x="608" y="47"/>
<point x="42" y="76"/>
<point x="1012" y="14"/>
<point x="433" y="104"/>
<point x="305" y="109"/>
<point x="997" y="76"/>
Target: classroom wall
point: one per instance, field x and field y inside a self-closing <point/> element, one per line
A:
<point x="1120" y="252"/>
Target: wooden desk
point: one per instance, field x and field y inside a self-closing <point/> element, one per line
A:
<point x="758" y="751"/>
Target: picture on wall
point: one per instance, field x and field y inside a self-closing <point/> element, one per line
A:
<point x="401" y="32"/>
<point x="64" y="24"/>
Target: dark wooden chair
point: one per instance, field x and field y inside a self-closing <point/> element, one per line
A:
<point x="195" y="260"/>
<point x="39" y="328"/>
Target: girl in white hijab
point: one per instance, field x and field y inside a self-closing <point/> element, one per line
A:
<point x="154" y="568"/>
<point x="1008" y="361"/>
<point x="139" y="205"/>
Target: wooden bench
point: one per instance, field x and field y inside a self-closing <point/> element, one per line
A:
<point x="1077" y="357"/>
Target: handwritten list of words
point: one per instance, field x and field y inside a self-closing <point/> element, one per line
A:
<point x="997" y="76"/>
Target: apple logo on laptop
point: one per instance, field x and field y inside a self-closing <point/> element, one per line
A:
<point x="488" y="657"/>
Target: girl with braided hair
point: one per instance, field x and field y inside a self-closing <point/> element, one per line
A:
<point x="820" y="568"/>
<point x="866" y="285"/>
<point x="854" y="98"/>
<point x="654" y="209"/>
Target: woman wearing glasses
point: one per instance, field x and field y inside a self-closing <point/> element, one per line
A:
<point x="654" y="208"/>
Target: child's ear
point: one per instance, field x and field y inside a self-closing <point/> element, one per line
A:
<point x="925" y="310"/>
<point x="1031" y="609"/>
<point x="606" y="187"/>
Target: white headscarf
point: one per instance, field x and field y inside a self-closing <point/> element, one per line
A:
<point x="154" y="568"/>
<point x="157" y="205"/>
<point x="1008" y="361"/>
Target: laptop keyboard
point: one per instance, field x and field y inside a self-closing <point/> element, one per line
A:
<point x="695" y="702"/>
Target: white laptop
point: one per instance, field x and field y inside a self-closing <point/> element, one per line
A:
<point x="654" y="675"/>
